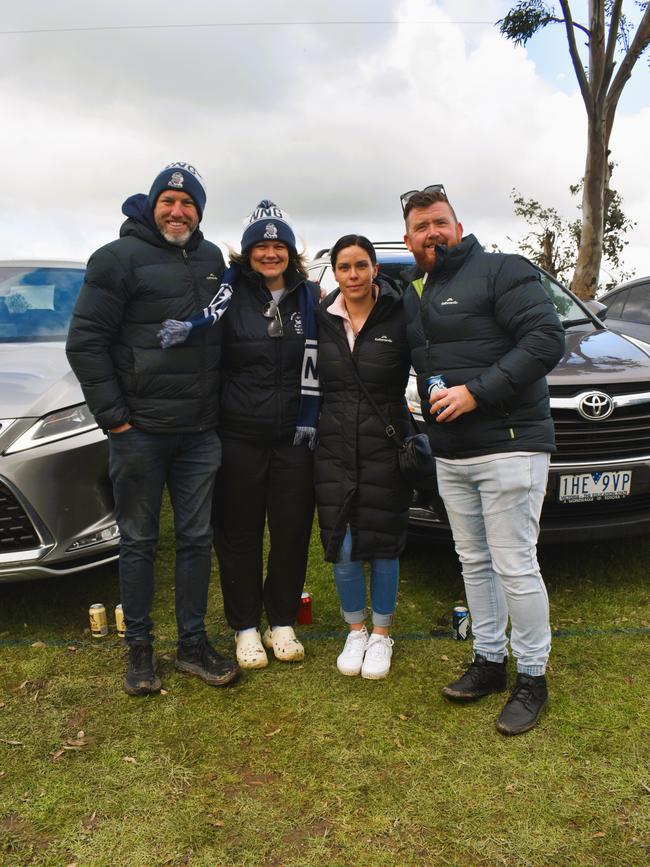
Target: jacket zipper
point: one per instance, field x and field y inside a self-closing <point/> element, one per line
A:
<point x="202" y="338"/>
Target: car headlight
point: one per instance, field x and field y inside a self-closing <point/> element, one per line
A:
<point x="55" y="426"/>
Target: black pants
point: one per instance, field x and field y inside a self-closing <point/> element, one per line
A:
<point x="259" y="481"/>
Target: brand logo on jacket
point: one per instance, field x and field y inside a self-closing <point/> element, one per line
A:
<point x="297" y="323"/>
<point x="448" y="301"/>
<point x="211" y="276"/>
<point x="271" y="231"/>
<point x="176" y="180"/>
<point x="383" y="339"/>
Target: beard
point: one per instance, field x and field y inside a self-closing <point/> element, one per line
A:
<point x="176" y="239"/>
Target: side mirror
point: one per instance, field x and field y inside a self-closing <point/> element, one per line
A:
<point x="597" y="308"/>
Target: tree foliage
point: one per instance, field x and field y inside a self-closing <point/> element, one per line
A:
<point x="553" y="242"/>
<point x="601" y="81"/>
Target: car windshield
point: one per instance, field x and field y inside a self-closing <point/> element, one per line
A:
<point x="36" y="303"/>
<point x="568" y="309"/>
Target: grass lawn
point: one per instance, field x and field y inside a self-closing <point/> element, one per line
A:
<point x="297" y="765"/>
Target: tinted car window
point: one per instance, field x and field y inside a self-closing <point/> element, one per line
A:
<point x="36" y="303"/>
<point x="637" y="307"/>
<point x="615" y="306"/>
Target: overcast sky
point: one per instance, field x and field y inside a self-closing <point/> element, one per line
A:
<point x="287" y="100"/>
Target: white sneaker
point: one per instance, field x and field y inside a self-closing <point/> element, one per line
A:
<point x="250" y="650"/>
<point x="286" y="646"/>
<point x="350" y="659"/>
<point x="376" y="662"/>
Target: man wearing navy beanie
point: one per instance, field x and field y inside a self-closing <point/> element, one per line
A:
<point x="158" y="407"/>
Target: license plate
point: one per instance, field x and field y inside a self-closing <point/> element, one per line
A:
<point x="584" y="487"/>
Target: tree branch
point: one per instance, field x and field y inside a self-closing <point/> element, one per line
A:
<point x="612" y="39"/>
<point x="575" y="55"/>
<point x="639" y="44"/>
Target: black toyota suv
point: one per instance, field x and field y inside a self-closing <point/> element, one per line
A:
<point x="599" y="483"/>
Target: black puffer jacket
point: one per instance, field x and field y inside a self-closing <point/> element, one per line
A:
<point x="131" y="286"/>
<point x="260" y="392"/>
<point x="357" y="476"/>
<point x="485" y="321"/>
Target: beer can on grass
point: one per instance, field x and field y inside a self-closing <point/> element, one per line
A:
<point x="304" y="609"/>
<point x="436" y="383"/>
<point x="98" y="622"/>
<point x="120" y="625"/>
<point x="460" y="628"/>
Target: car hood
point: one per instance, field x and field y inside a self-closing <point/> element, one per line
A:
<point x="599" y="358"/>
<point x="35" y="378"/>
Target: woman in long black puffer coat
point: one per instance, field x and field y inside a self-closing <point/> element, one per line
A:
<point x="361" y="497"/>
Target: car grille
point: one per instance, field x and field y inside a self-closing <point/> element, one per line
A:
<point x="17" y="532"/>
<point x="625" y="434"/>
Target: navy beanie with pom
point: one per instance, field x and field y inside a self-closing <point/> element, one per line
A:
<point x="268" y="222"/>
<point x="182" y="177"/>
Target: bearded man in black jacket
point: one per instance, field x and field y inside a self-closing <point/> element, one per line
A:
<point x="159" y="408"/>
<point x="485" y="323"/>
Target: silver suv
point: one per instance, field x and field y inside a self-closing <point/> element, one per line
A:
<point x="599" y="483"/>
<point x="56" y="502"/>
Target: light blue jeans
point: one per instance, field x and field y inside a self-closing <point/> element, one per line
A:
<point x="351" y="586"/>
<point x="494" y="510"/>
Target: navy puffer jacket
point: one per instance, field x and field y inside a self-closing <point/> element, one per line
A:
<point x="485" y="321"/>
<point x="131" y="285"/>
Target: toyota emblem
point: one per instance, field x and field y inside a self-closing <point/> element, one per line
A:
<point x="596" y="406"/>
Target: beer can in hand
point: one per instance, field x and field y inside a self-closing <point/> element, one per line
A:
<point x="98" y="622"/>
<point x="460" y="628"/>
<point x="304" y="609"/>
<point x="436" y="383"/>
<point x="120" y="625"/>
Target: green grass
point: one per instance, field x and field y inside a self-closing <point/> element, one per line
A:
<point x="296" y="765"/>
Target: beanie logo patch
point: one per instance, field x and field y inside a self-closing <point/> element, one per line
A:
<point x="176" y="181"/>
<point x="271" y="231"/>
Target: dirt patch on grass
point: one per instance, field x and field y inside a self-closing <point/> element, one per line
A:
<point x="17" y="835"/>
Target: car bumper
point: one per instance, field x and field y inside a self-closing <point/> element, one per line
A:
<point x="597" y="520"/>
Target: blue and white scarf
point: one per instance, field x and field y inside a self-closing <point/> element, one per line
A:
<point x="175" y="332"/>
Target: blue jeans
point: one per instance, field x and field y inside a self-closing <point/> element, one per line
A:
<point x="140" y="464"/>
<point x="494" y="510"/>
<point x="351" y="586"/>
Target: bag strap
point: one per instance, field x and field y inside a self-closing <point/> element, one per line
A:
<point x="389" y="429"/>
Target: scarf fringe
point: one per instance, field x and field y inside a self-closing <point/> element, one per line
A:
<point x="305" y="435"/>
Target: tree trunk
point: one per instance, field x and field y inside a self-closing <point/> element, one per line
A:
<point x="590" y="251"/>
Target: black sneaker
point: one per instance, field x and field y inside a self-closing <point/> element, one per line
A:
<point x="202" y="660"/>
<point x="480" y="678"/>
<point x="522" y="710"/>
<point x="141" y="677"/>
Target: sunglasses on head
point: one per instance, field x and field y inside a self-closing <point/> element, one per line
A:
<point x="405" y="198"/>
<point x="275" y="327"/>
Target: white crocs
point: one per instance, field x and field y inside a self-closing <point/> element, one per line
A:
<point x="286" y="646"/>
<point x="250" y="650"/>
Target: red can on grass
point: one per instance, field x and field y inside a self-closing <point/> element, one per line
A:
<point x="304" y="609"/>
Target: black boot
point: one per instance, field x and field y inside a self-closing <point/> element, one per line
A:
<point x="480" y="678"/>
<point x="202" y="660"/>
<point x="522" y="710"/>
<point x="141" y="677"/>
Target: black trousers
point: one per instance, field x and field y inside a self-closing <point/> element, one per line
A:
<point x="256" y="482"/>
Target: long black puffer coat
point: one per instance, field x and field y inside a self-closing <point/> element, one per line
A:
<point x="131" y="285"/>
<point x="357" y="476"/>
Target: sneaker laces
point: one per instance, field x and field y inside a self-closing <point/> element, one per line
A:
<point x="378" y="646"/>
<point x="524" y="692"/>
